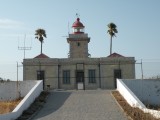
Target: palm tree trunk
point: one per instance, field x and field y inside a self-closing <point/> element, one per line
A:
<point x="111" y="46"/>
<point x="41" y="47"/>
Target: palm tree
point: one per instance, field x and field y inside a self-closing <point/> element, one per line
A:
<point x="40" y="34"/>
<point x="112" y="32"/>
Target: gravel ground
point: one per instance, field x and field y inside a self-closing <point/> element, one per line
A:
<point x="80" y="105"/>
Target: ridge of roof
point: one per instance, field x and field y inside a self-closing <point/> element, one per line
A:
<point x="41" y="56"/>
<point x="115" y="55"/>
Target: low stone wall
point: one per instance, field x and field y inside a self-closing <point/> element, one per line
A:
<point x="11" y="90"/>
<point x="131" y="98"/>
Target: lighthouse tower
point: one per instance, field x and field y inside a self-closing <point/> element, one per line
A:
<point x="78" y="41"/>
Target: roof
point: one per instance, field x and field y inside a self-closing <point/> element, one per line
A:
<point x="77" y="23"/>
<point x="42" y="56"/>
<point x="115" y="55"/>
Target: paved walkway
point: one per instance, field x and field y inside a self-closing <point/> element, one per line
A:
<point x="80" y="105"/>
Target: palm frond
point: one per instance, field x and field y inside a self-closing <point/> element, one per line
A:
<point x="40" y="33"/>
<point x="115" y="30"/>
<point x="112" y="29"/>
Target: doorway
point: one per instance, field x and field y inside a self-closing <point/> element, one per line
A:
<point x="117" y="74"/>
<point x="80" y="79"/>
<point x="80" y="76"/>
<point x="41" y="76"/>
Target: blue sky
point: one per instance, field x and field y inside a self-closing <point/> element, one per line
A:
<point x="138" y="24"/>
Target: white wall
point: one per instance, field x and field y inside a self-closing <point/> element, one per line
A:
<point x="128" y="94"/>
<point x="148" y="91"/>
<point x="140" y="87"/>
<point x="11" y="90"/>
<point x="25" y="103"/>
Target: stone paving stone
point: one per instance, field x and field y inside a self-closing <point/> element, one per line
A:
<point x="80" y="105"/>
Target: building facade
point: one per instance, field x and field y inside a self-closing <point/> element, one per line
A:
<point x="79" y="70"/>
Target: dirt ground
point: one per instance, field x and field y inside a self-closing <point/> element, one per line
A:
<point x="134" y="113"/>
<point x="8" y="106"/>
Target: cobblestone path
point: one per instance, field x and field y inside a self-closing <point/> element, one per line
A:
<point x="80" y="105"/>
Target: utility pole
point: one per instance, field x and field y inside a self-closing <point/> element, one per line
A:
<point x="17" y="73"/>
<point x="141" y="69"/>
<point x="18" y="91"/>
<point x="24" y="48"/>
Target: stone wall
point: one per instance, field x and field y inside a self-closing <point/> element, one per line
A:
<point x="104" y="68"/>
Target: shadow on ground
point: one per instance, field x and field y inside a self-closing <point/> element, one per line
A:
<point x="50" y="106"/>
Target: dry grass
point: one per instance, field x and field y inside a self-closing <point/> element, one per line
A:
<point x="134" y="113"/>
<point x="8" y="106"/>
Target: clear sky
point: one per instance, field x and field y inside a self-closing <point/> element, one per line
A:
<point x="138" y="24"/>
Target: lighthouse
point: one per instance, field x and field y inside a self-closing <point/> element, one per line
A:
<point x="78" y="41"/>
<point x="79" y="70"/>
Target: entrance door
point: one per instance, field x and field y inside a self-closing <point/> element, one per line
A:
<point x="80" y="79"/>
<point x="80" y="76"/>
<point x="117" y="74"/>
<point x="41" y="76"/>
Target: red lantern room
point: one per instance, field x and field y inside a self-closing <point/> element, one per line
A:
<point x="78" y="27"/>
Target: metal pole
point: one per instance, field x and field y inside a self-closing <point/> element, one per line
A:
<point x="142" y="69"/>
<point x="99" y="75"/>
<point x="24" y="48"/>
<point x="17" y="82"/>
<point x="17" y="71"/>
<point x="58" y="77"/>
<point x="24" y="45"/>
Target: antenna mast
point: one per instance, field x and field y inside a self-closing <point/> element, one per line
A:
<point x="24" y="48"/>
<point x="77" y="15"/>
<point x="68" y="29"/>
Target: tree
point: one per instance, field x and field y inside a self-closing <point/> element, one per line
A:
<point x="112" y="32"/>
<point x="40" y="34"/>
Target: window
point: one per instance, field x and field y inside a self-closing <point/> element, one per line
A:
<point x="92" y="76"/>
<point x="66" y="77"/>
